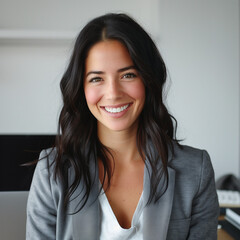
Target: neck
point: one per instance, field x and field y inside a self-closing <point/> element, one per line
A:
<point x="122" y="144"/>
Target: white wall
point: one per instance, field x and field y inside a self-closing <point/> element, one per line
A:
<point x="30" y="71"/>
<point x="29" y="87"/>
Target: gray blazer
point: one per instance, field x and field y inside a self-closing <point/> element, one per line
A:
<point x="187" y="210"/>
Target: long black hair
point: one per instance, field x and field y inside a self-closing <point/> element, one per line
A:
<point x="77" y="138"/>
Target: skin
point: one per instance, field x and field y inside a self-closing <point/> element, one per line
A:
<point x="112" y="81"/>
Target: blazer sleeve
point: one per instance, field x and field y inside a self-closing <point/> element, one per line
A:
<point x="205" y="209"/>
<point x="41" y="210"/>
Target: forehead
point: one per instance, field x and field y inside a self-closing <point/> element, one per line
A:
<point x="107" y="54"/>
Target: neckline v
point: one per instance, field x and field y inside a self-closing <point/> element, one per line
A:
<point x="107" y="207"/>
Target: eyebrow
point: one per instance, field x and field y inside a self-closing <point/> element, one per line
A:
<point x="119" y="70"/>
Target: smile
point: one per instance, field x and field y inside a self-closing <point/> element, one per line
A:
<point x="116" y="110"/>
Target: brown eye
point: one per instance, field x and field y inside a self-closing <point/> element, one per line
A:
<point x="129" y="75"/>
<point x="96" y="79"/>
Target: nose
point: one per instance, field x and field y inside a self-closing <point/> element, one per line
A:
<point x="114" y="90"/>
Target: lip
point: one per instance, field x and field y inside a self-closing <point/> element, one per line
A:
<point x="117" y="106"/>
<point x="119" y="114"/>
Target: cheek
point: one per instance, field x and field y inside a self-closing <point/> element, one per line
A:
<point x="137" y="91"/>
<point x="92" y="95"/>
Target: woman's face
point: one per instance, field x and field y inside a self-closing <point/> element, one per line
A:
<point x="114" y="91"/>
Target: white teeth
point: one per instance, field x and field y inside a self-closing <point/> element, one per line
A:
<point x="116" y="110"/>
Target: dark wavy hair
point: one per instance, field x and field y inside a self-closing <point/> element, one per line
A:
<point x="77" y="141"/>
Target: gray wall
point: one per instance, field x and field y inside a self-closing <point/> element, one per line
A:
<point x="199" y="40"/>
<point x="200" y="43"/>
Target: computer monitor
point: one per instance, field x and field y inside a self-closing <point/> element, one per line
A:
<point x="16" y="150"/>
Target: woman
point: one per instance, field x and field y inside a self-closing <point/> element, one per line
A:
<point x="117" y="171"/>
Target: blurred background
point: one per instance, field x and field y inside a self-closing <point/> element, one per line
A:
<point x="198" y="39"/>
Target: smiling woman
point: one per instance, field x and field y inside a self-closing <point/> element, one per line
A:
<point x="117" y="171"/>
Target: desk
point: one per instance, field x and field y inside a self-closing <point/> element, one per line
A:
<point x="222" y="235"/>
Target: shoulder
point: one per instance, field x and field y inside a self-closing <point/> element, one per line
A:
<point x="44" y="181"/>
<point x="45" y="168"/>
<point x="46" y="161"/>
<point x="195" y="198"/>
<point x="192" y="167"/>
<point x="45" y="200"/>
<point x="188" y="157"/>
<point x="47" y="157"/>
<point x="194" y="175"/>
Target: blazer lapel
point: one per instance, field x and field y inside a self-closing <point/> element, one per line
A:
<point x="85" y="223"/>
<point x="156" y="216"/>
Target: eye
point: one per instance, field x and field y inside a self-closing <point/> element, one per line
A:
<point x="95" y="79"/>
<point x="129" y="75"/>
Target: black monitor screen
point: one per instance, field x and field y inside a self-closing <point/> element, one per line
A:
<point x="16" y="150"/>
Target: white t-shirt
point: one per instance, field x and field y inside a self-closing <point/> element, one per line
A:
<point x="110" y="228"/>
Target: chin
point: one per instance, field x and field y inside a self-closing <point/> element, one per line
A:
<point x="117" y="128"/>
<point x="120" y="127"/>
